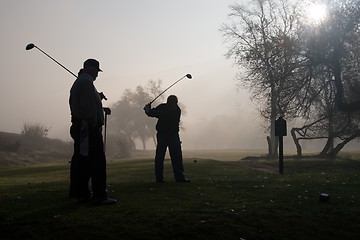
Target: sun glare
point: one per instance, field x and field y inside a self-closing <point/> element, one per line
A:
<point x="317" y="12"/>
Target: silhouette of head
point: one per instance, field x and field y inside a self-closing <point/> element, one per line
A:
<point x="92" y="67"/>
<point x="172" y="101"/>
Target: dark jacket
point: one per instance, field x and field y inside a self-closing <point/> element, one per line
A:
<point x="168" y="119"/>
<point x="85" y="102"/>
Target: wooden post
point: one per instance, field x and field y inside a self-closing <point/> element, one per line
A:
<point x="281" y="155"/>
<point x="280" y="131"/>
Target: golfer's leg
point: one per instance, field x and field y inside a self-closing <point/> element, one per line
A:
<point x="98" y="165"/>
<point x="84" y="174"/>
<point x="176" y="157"/>
<point x="74" y="168"/>
<point x="159" y="157"/>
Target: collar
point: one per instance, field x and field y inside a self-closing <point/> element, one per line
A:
<point x="87" y="77"/>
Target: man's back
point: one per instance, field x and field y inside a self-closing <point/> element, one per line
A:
<point x="168" y="118"/>
<point x="85" y="103"/>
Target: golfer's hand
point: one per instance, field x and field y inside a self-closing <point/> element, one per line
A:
<point x="102" y="96"/>
<point x="147" y="108"/>
<point x="107" y="110"/>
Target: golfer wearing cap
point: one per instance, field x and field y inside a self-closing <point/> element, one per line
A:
<point x="87" y="119"/>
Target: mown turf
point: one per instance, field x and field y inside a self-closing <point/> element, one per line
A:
<point x="225" y="200"/>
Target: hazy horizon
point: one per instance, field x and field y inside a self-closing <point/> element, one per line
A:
<point x="134" y="41"/>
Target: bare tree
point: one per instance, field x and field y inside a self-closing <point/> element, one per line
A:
<point x="264" y="41"/>
<point x="333" y="54"/>
<point x="34" y="130"/>
<point x="336" y="45"/>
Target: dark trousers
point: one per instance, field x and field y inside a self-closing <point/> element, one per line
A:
<point x="84" y="168"/>
<point x="173" y="142"/>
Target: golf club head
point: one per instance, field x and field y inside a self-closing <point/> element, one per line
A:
<point x="189" y="76"/>
<point x="30" y="46"/>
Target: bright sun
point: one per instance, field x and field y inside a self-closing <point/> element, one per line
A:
<point x="317" y="12"/>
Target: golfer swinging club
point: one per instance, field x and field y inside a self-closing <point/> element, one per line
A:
<point x="168" y="115"/>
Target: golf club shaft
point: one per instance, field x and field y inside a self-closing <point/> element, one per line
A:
<point x="167" y="89"/>
<point x="105" y="125"/>
<point x="55" y="61"/>
<point x="31" y="46"/>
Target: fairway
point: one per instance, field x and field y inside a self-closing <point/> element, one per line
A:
<point x="225" y="200"/>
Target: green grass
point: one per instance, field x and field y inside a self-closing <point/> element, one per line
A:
<point x="225" y="200"/>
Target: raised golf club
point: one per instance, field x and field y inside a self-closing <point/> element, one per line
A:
<point x="187" y="76"/>
<point x="31" y="46"/>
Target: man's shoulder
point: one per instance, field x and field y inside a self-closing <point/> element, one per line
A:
<point x="161" y="106"/>
<point x="84" y="77"/>
<point x="83" y="80"/>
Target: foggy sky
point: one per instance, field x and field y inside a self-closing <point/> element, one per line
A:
<point x="135" y="41"/>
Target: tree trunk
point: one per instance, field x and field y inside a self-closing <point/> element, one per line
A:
<point x="144" y="143"/>
<point x="339" y="96"/>
<point x="132" y="143"/>
<point x="340" y="146"/>
<point x="296" y="141"/>
<point x="329" y="146"/>
<point x="276" y="153"/>
<point x="273" y="145"/>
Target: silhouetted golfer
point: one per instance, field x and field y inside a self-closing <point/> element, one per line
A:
<point x="75" y="156"/>
<point x="168" y="115"/>
<point x="87" y="119"/>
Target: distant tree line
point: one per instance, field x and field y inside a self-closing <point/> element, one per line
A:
<point x="307" y="72"/>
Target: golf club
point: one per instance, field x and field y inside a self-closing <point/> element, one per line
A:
<point x="31" y="46"/>
<point x="107" y="112"/>
<point x="187" y="75"/>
